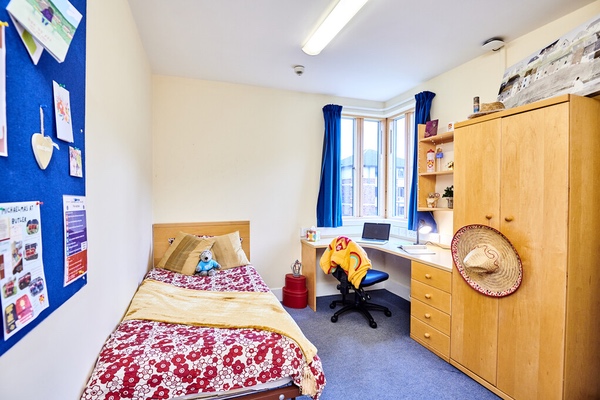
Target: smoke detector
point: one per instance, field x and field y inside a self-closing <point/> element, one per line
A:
<point x="493" y="44"/>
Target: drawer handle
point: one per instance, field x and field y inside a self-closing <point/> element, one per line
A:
<point x="427" y="335"/>
<point x="428" y="276"/>
<point x="427" y="296"/>
<point x="427" y="315"/>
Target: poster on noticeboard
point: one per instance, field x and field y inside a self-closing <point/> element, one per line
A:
<point x="76" y="243"/>
<point x="22" y="281"/>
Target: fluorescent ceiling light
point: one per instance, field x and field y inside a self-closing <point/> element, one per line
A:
<point x="332" y="25"/>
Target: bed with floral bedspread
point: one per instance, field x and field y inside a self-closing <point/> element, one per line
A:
<point x="146" y="359"/>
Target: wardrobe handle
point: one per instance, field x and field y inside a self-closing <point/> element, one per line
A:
<point x="488" y="216"/>
<point x="508" y="219"/>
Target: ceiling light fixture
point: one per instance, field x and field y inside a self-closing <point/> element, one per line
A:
<point x="332" y="25"/>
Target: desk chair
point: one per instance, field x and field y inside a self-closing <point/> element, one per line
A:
<point x="360" y="302"/>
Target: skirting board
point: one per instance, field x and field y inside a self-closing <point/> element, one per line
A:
<point x="394" y="287"/>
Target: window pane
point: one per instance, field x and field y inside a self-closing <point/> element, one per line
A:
<point x="347" y="148"/>
<point x="399" y="141"/>
<point x="370" y="170"/>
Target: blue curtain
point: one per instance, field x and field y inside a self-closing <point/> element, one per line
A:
<point x="422" y="110"/>
<point x="329" y="203"/>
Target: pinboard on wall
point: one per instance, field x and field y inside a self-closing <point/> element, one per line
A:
<point x="43" y="229"/>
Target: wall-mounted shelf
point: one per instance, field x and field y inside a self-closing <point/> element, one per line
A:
<point x="449" y="172"/>
<point x="437" y="139"/>
<point x="426" y="182"/>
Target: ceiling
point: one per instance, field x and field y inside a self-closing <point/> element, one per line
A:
<point x="388" y="48"/>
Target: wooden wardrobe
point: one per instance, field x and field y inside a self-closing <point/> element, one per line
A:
<point x="533" y="172"/>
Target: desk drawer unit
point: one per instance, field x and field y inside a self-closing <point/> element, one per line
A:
<point x="431" y="276"/>
<point x="430" y="316"/>
<point x="429" y="295"/>
<point x="430" y="308"/>
<point x="431" y="338"/>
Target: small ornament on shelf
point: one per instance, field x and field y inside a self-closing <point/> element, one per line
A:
<point x="449" y="196"/>
<point x="430" y="160"/>
<point x="431" y="128"/>
<point x="432" y="199"/>
<point x="296" y="267"/>
<point x="439" y="154"/>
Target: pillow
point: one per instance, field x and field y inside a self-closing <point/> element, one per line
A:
<point x="184" y="253"/>
<point x="228" y="251"/>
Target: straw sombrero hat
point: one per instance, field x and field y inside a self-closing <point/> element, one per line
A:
<point x="486" y="260"/>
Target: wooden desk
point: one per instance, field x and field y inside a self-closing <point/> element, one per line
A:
<point x="310" y="265"/>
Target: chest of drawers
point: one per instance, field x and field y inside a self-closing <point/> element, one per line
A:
<point x="430" y="309"/>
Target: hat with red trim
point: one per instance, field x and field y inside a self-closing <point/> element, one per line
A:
<point x="486" y="260"/>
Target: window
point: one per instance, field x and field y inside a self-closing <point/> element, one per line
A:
<point x="364" y="165"/>
<point x="362" y="153"/>
<point x="401" y="131"/>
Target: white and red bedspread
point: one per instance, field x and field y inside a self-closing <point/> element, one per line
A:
<point x="157" y="360"/>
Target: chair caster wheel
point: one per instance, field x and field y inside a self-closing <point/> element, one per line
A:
<point x="332" y="305"/>
<point x="334" y="319"/>
<point x="388" y="313"/>
<point x="373" y="324"/>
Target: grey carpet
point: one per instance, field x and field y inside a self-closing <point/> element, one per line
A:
<point x="383" y="363"/>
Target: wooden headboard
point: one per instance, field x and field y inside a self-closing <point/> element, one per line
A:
<point x="161" y="233"/>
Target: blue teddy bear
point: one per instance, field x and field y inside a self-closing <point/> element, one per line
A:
<point x="207" y="266"/>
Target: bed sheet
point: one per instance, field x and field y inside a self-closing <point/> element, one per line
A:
<point x="156" y="360"/>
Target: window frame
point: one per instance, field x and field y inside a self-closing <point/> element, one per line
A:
<point x="385" y="174"/>
<point x="409" y="142"/>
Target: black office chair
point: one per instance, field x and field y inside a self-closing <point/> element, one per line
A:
<point x="361" y="297"/>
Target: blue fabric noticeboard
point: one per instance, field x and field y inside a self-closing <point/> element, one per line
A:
<point x="28" y="87"/>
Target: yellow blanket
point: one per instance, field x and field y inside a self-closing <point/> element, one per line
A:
<point x="352" y="258"/>
<point x="158" y="301"/>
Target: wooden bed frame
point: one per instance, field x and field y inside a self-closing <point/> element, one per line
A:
<point x="161" y="233"/>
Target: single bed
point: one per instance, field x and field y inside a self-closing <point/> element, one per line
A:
<point x="187" y="336"/>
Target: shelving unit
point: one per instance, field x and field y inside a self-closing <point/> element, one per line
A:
<point x="427" y="180"/>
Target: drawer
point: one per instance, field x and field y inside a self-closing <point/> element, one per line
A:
<point x="432" y="276"/>
<point x="430" y="316"/>
<point x="429" y="337"/>
<point x="430" y="295"/>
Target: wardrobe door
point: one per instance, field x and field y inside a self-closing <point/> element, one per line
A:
<point x="476" y="200"/>
<point x="534" y="217"/>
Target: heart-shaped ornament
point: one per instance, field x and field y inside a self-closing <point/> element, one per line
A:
<point x="43" y="147"/>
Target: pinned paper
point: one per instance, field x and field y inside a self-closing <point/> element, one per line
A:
<point x="34" y="48"/>
<point x="75" y="162"/>
<point x="51" y="22"/>
<point x="62" y="113"/>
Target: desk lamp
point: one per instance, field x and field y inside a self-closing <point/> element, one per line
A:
<point x="423" y="228"/>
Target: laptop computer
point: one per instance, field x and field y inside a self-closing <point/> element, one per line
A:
<point x="375" y="233"/>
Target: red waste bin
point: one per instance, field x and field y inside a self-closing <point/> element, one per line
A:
<point x="295" y="294"/>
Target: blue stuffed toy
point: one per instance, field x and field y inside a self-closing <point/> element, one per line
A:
<point x="207" y="266"/>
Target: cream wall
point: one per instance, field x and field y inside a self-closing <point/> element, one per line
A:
<point x="54" y="360"/>
<point x="235" y="152"/>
